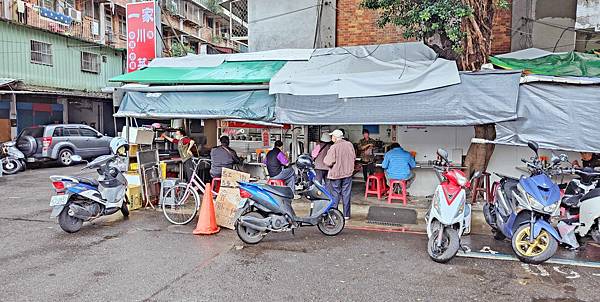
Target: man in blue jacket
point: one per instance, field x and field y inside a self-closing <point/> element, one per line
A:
<point x="398" y="164"/>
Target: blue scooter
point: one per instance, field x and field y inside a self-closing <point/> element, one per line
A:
<point x="265" y="208"/>
<point x="522" y="210"/>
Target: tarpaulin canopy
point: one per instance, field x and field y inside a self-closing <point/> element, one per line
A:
<point x="226" y="73"/>
<point x="554" y="64"/>
<point x="250" y="105"/>
<point x="557" y="116"/>
<point x="362" y="71"/>
<point x="480" y="98"/>
<point x="192" y="60"/>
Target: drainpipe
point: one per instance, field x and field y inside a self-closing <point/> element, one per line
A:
<point x="102" y="23"/>
<point x="13" y="116"/>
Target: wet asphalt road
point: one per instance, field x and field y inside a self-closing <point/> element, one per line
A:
<point x="145" y="258"/>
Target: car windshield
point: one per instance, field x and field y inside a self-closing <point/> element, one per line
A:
<point x="36" y="132"/>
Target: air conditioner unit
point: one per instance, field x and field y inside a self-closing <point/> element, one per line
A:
<point x="75" y="14"/>
<point x="95" y="28"/>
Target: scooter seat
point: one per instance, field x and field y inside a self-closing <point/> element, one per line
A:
<point x="285" y="192"/>
<point x="87" y="181"/>
<point x="571" y="201"/>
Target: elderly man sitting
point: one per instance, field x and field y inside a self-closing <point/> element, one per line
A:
<point x="398" y="164"/>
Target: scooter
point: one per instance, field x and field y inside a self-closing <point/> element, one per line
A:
<point x="13" y="160"/>
<point x="82" y="199"/>
<point x="581" y="207"/>
<point x="450" y="215"/>
<point x="522" y="210"/>
<point x="265" y="208"/>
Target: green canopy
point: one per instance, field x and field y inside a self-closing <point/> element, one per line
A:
<point x="248" y="72"/>
<point x="565" y="64"/>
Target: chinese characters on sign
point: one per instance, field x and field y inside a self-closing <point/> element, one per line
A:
<point x="141" y="35"/>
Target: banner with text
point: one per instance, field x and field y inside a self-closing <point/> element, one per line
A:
<point x="141" y="34"/>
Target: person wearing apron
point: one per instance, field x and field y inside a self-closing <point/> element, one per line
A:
<point x="184" y="147"/>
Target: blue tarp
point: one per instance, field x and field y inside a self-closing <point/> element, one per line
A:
<point x="251" y="105"/>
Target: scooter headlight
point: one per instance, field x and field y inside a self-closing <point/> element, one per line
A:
<point x="534" y="203"/>
<point x="551" y="208"/>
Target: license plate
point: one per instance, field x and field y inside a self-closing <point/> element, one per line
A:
<point x="59" y="200"/>
<point x="30" y="160"/>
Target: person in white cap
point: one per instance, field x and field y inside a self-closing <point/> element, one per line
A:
<point x="340" y="158"/>
<point x="318" y="154"/>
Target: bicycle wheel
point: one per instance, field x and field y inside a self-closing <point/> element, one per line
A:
<point x="179" y="206"/>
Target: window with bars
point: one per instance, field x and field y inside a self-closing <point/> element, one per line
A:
<point x="41" y="53"/>
<point x="90" y="62"/>
<point x="108" y="23"/>
<point x="122" y="26"/>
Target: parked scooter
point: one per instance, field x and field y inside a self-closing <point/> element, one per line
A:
<point x="450" y="215"/>
<point x="265" y="208"/>
<point x="81" y="199"/>
<point x="581" y="207"/>
<point x="522" y="210"/>
<point x="13" y="160"/>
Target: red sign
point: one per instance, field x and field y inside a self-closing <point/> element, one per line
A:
<point x="141" y="34"/>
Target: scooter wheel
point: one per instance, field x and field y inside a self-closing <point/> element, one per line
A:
<point x="69" y="223"/>
<point x="542" y="248"/>
<point x="249" y="235"/>
<point x="332" y="223"/>
<point x="449" y="248"/>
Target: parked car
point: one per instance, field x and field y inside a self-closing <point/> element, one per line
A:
<point x="58" y="142"/>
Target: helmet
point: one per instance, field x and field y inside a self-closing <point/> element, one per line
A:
<point x="304" y="162"/>
<point x="119" y="146"/>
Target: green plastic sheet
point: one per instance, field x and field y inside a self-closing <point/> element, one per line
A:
<point x="251" y="72"/>
<point x="566" y="64"/>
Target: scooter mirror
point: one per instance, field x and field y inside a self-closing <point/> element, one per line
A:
<point x="533" y="146"/>
<point x="76" y="158"/>
<point x="443" y="154"/>
<point x="563" y="157"/>
<point x="555" y="159"/>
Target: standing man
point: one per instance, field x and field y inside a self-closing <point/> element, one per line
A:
<point x="184" y="146"/>
<point x="222" y="157"/>
<point x="340" y="158"/>
<point x="318" y="154"/>
<point x="367" y="156"/>
<point x="278" y="165"/>
<point x="398" y="164"/>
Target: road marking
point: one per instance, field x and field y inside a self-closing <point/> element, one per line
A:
<point x="386" y="230"/>
<point x="542" y="272"/>
<point x="505" y="257"/>
<point x="570" y="275"/>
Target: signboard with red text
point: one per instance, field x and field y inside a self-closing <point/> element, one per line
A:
<point x="141" y="34"/>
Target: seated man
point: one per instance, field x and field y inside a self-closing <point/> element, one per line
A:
<point x="398" y="164"/>
<point x="588" y="159"/>
<point x="222" y="157"/>
<point x="278" y="165"/>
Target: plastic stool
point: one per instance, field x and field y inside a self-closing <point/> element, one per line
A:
<point x="276" y="182"/>
<point x="394" y="195"/>
<point x="480" y="187"/>
<point x="375" y="185"/>
<point x="215" y="184"/>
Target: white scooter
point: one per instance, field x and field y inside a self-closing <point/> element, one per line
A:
<point x="581" y="207"/>
<point x="81" y="199"/>
<point x="450" y="215"/>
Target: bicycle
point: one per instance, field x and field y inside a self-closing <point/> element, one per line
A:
<point x="181" y="202"/>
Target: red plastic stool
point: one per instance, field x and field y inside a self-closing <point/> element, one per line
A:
<point x="215" y="184"/>
<point x="394" y="195"/>
<point x="375" y="185"/>
<point x="276" y="182"/>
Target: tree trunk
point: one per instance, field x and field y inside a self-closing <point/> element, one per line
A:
<point x="478" y="156"/>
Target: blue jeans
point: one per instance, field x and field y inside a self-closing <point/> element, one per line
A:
<point x="342" y="190"/>
<point x="289" y="175"/>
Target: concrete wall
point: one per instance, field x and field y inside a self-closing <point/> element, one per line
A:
<point x="550" y="17"/>
<point x="276" y="24"/>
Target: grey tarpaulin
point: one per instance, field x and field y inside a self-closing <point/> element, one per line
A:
<point x="557" y="116"/>
<point x="362" y="71"/>
<point x="251" y="105"/>
<point x="480" y="98"/>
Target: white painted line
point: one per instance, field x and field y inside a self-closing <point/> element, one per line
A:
<point x="505" y="257"/>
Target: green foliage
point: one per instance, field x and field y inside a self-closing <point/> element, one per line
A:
<point x="503" y="4"/>
<point x="213" y="6"/>
<point x="422" y="19"/>
<point x="179" y="50"/>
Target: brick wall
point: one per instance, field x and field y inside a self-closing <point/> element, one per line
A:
<point x="501" y="31"/>
<point x="356" y="26"/>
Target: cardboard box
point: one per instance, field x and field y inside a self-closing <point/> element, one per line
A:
<point x="138" y="135"/>
<point x="134" y="195"/>
<point x="229" y="197"/>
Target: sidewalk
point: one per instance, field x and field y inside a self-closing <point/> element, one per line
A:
<point x="360" y="209"/>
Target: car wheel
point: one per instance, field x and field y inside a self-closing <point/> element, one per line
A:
<point x="64" y="157"/>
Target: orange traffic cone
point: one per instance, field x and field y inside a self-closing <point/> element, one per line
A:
<point x="207" y="222"/>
